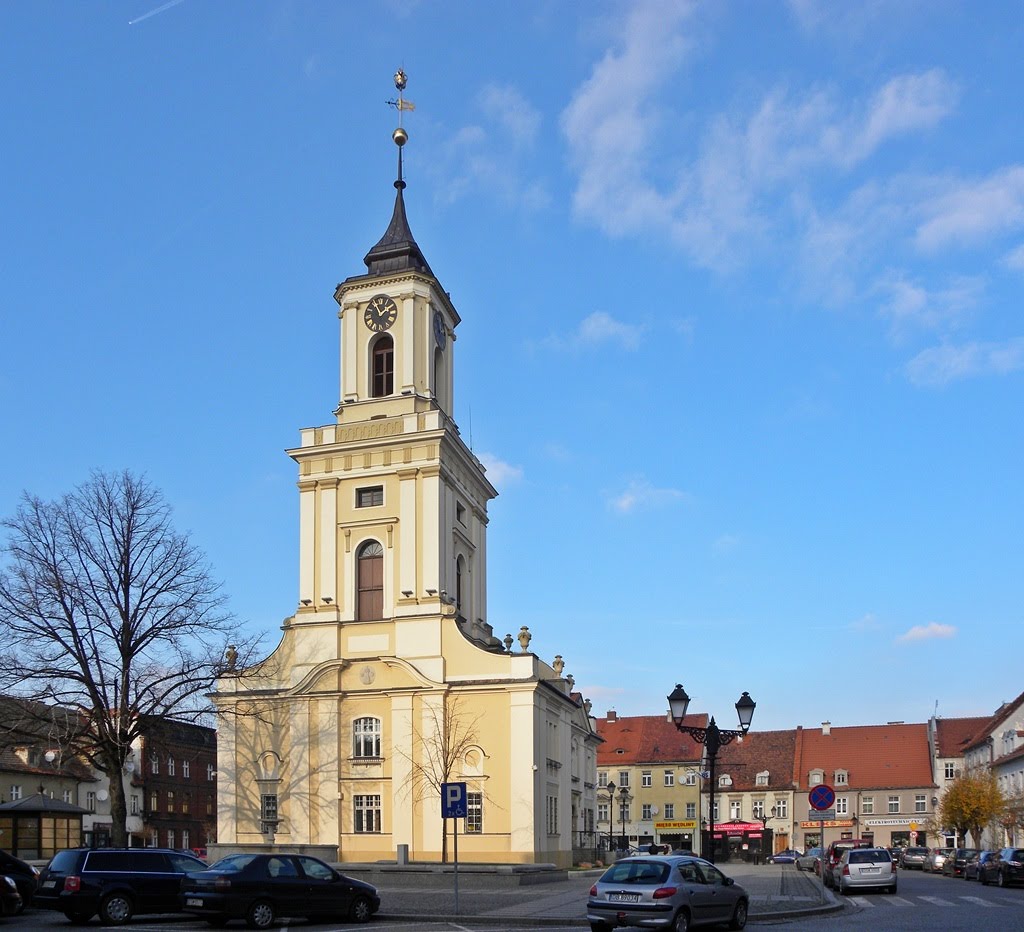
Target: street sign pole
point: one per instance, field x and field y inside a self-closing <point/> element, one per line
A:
<point x="822" y="798"/>
<point x="454" y="806"/>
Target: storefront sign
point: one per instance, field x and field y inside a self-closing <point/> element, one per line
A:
<point x="879" y="822"/>
<point x="685" y="825"/>
<point x="829" y="823"/>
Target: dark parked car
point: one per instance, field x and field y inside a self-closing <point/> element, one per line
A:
<point x="25" y="876"/>
<point x="260" y="888"/>
<point x="1005" y="867"/>
<point x="973" y="868"/>
<point x="913" y="858"/>
<point x="118" y="883"/>
<point x="955" y="864"/>
<point x="10" y="900"/>
<point x="665" y="892"/>
<point x="788" y="856"/>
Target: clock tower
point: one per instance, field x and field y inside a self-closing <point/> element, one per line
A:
<point x="388" y="680"/>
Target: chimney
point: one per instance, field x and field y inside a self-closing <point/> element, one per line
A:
<point x="612" y="715"/>
<point x="826" y="728"/>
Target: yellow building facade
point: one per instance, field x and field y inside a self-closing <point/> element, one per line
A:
<point x="388" y="680"/>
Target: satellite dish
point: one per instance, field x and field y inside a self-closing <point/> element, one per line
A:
<point x="654" y="810"/>
<point x="50" y="756"/>
<point x="102" y="795"/>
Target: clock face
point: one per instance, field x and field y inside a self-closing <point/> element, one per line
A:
<point x="440" y="334"/>
<point x="380" y="313"/>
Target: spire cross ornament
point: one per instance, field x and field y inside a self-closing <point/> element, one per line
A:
<point x="400" y="136"/>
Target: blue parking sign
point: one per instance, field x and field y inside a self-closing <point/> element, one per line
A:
<point x="453" y="800"/>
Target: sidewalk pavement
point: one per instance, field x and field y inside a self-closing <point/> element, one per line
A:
<point x="777" y="891"/>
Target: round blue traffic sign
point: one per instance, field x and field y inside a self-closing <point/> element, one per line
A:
<point x="822" y="796"/>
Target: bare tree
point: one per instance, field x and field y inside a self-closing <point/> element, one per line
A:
<point x="450" y="734"/>
<point x="107" y="612"/>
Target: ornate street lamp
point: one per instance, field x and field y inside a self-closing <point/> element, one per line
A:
<point x="712" y="738"/>
<point x="623" y="800"/>
<point x="610" y="786"/>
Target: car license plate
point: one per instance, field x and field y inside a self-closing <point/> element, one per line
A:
<point x="192" y="901"/>
<point x="870" y="870"/>
<point x="49" y="884"/>
<point x="624" y="897"/>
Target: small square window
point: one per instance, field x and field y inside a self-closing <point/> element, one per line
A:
<point x="460" y="513"/>
<point x="369" y="497"/>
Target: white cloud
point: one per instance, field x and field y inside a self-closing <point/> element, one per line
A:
<point x="499" y="472"/>
<point x="912" y="304"/>
<point x="968" y="212"/>
<point x="641" y="494"/>
<point x="495" y="160"/>
<point x="927" y="632"/>
<point x="595" y="329"/>
<point x="601" y="327"/>
<point x="1014" y="259"/>
<point x="940" y="365"/>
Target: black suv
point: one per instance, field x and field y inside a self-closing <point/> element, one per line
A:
<point x="25" y="876"/>
<point x="115" y="882"/>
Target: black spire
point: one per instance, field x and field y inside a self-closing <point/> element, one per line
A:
<point x="397" y="251"/>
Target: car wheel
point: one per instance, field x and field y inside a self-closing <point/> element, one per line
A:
<point x="360" y="910"/>
<point x="682" y="922"/>
<point x="260" y="915"/>
<point x="739" y="916"/>
<point x="1001" y="879"/>
<point x="116" y="909"/>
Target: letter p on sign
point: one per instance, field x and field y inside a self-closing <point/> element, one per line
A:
<point x="453" y="800"/>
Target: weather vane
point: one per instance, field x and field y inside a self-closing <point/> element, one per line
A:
<point x="401" y="103"/>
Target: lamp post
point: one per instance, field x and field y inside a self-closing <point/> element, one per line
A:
<point x="712" y="738"/>
<point x="623" y="799"/>
<point x="610" y="786"/>
<point x="764" y="818"/>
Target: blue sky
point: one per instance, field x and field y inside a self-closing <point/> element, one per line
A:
<point x="742" y="339"/>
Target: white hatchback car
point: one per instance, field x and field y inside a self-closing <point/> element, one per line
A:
<point x="866" y="867"/>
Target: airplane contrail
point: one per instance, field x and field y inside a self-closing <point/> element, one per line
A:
<point x="159" y="9"/>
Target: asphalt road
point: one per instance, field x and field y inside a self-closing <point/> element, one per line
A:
<point x="924" y="902"/>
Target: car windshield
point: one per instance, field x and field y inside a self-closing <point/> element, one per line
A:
<point x="637" y="872"/>
<point x="867" y="856"/>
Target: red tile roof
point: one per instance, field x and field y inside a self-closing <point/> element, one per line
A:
<point x="1002" y="714"/>
<point x="757" y="752"/>
<point x="647" y="739"/>
<point x="953" y="735"/>
<point x="875" y="756"/>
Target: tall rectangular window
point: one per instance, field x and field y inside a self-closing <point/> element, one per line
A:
<point x="210" y="772"/>
<point x="370" y="496"/>
<point x="691" y="810"/>
<point x="16" y="792"/>
<point x="90" y="801"/>
<point x="623" y="778"/>
<point x="645" y="811"/>
<point x="670" y="810"/>
<point x="735" y="807"/>
<point x="867" y="805"/>
<point x="691" y="780"/>
<point x="366" y="812"/>
<point x="186" y="769"/>
<point x="920" y="804"/>
<point x="949" y="770"/>
<point x="268" y="812"/>
<point x="366" y="737"/>
<point x="474" y="813"/>
<point x="135" y="804"/>
<point x="170" y="767"/>
<point x="170" y="800"/>
<point x="154" y="765"/>
<point x="184" y="838"/>
<point x="66" y="796"/>
<point x="186" y="803"/>
<point x="602" y="812"/>
<point x="782" y="808"/>
<point x="645" y="778"/>
<point x="757" y="808"/>
<point x="170" y="838"/>
<point x="154" y="801"/>
<point x="602" y="779"/>
<point x="894" y="804"/>
<point x="552" y="815"/>
<point x="842" y="805"/>
<point x="670" y="778"/>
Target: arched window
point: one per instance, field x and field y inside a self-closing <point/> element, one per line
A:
<point x="370" y="581"/>
<point x="383" y="382"/>
<point x="366" y="737"/>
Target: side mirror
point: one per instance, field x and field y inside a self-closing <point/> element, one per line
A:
<point x="729" y="881"/>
